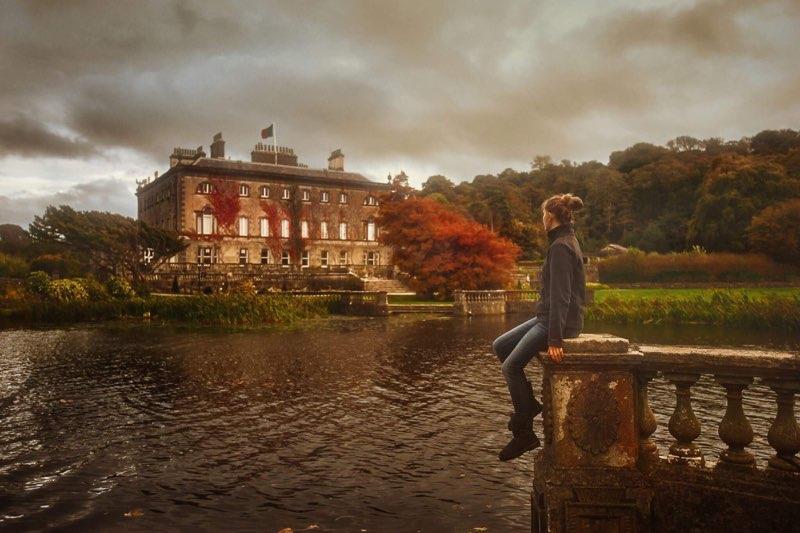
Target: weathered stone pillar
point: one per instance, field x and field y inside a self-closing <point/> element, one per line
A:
<point x="586" y="476"/>
<point x="784" y="434"/>
<point x="683" y="424"/>
<point x="459" y="303"/>
<point x="734" y="429"/>
<point x="648" y="450"/>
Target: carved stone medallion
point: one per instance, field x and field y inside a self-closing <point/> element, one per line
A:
<point x="593" y="417"/>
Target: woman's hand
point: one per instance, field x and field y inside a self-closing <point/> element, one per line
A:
<point x="555" y="353"/>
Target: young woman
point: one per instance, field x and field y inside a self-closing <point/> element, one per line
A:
<point x="559" y="315"/>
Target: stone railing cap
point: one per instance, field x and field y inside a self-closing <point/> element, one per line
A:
<point x="720" y="359"/>
<point x="596" y="343"/>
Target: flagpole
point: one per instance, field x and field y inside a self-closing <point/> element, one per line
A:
<point x="275" y="141"/>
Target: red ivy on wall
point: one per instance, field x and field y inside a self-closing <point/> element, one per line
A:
<point x="224" y="199"/>
<point x="274" y="213"/>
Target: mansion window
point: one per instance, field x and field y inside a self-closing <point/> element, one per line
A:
<point x="285" y="194"/>
<point x="285" y="258"/>
<point x="306" y="196"/>
<point x="325" y="197"/>
<point x="323" y="230"/>
<point x="343" y="257"/>
<point x="263" y="191"/>
<point x="205" y="224"/>
<point x="342" y="197"/>
<point x="149" y="254"/>
<point x="370" y="200"/>
<point x="206" y="255"/>
<point x="304" y="259"/>
<point x="323" y="258"/>
<point x="370" y="231"/>
<point x="242" y="256"/>
<point x="343" y="230"/>
<point x="285" y="228"/>
<point x="244" y="226"/>
<point x="205" y="188"/>
<point x="244" y="190"/>
<point x="263" y="227"/>
<point x="371" y="258"/>
<point x="304" y="229"/>
<point x="266" y="257"/>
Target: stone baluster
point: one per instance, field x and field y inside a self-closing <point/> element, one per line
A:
<point x="735" y="429"/>
<point x="382" y="298"/>
<point x="784" y="434"/>
<point x="648" y="450"/>
<point x="683" y="424"/>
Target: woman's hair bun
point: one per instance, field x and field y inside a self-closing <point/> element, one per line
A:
<point x="573" y="202"/>
<point x="562" y="206"/>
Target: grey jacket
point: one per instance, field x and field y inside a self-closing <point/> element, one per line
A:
<point x="562" y="295"/>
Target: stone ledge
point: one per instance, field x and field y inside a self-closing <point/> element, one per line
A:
<point x="596" y="343"/>
<point x="710" y="359"/>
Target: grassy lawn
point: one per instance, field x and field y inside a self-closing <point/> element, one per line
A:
<point x="657" y="294"/>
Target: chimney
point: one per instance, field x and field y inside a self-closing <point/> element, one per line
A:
<point x="218" y="147"/>
<point x="185" y="156"/>
<point x="336" y="160"/>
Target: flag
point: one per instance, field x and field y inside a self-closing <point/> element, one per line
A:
<point x="268" y="132"/>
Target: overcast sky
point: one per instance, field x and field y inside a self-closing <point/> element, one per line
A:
<point x="96" y="94"/>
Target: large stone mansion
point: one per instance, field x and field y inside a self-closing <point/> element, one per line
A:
<point x="270" y="210"/>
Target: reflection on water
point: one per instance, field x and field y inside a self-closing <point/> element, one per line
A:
<point x="383" y="424"/>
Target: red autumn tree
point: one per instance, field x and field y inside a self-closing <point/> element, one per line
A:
<point x="442" y="250"/>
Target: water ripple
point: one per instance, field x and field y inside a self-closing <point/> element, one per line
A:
<point x="350" y="424"/>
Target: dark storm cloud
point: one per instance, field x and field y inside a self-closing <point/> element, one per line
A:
<point x="458" y="87"/>
<point x="27" y="137"/>
<point x="103" y="195"/>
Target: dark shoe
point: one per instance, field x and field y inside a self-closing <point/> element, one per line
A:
<point x="519" y="445"/>
<point x="521" y="424"/>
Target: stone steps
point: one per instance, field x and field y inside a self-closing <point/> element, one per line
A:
<point x="391" y="286"/>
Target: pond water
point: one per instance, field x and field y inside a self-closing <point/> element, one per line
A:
<point x="348" y="424"/>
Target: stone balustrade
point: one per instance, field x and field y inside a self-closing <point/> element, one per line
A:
<point x="495" y="302"/>
<point x="370" y="303"/>
<point x="600" y="469"/>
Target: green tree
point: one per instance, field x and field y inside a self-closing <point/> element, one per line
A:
<point x="775" y="231"/>
<point x="438" y="184"/>
<point x="115" y="244"/>
<point x="731" y="195"/>
<point x="638" y="155"/>
<point x="775" y="141"/>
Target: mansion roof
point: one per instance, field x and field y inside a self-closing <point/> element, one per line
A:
<point x="207" y="166"/>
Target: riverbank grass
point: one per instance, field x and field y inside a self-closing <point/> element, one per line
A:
<point x="689" y="293"/>
<point x="758" y="307"/>
<point x="221" y="310"/>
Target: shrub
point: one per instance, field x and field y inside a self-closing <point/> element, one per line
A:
<point x="67" y="290"/>
<point x="93" y="288"/>
<point x="39" y="283"/>
<point x="12" y="267"/>
<point x="695" y="266"/>
<point x="58" y="265"/>
<point x="120" y="288"/>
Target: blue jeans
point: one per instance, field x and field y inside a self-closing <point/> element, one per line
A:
<point x="515" y="348"/>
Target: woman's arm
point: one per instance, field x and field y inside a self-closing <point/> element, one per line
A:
<point x="560" y="293"/>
